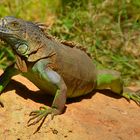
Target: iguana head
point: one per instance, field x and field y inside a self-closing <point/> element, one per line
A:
<point x="23" y="36"/>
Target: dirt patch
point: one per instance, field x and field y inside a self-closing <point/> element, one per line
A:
<point x="96" y="116"/>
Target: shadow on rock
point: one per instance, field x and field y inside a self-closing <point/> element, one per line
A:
<point x="41" y="97"/>
<point x="37" y="96"/>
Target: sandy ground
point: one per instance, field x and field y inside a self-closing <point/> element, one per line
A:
<point x="94" y="117"/>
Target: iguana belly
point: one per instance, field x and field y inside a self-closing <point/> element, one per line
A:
<point x="75" y="87"/>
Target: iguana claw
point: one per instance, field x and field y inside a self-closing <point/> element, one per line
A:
<point x="40" y="114"/>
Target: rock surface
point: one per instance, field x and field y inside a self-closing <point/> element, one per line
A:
<point x="93" y="117"/>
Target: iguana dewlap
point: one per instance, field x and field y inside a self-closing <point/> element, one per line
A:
<point x="54" y="67"/>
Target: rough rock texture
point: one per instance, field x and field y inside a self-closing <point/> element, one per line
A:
<point x="93" y="117"/>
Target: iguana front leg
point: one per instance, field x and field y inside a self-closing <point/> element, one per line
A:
<point x="58" y="102"/>
<point x="6" y="77"/>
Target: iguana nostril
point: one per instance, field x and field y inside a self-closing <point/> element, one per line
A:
<point x="2" y="22"/>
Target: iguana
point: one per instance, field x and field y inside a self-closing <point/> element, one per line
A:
<point x="55" y="67"/>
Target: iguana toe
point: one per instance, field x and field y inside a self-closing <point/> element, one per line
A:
<point x="134" y="96"/>
<point x="138" y="93"/>
<point x="41" y="114"/>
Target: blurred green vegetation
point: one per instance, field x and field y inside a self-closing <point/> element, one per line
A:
<point x="108" y="29"/>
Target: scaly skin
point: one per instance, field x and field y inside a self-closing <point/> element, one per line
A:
<point x="55" y="67"/>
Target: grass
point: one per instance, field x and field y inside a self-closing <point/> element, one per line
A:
<point x="109" y="30"/>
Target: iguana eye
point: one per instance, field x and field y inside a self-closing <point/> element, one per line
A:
<point x="14" y="25"/>
<point x="22" y="49"/>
